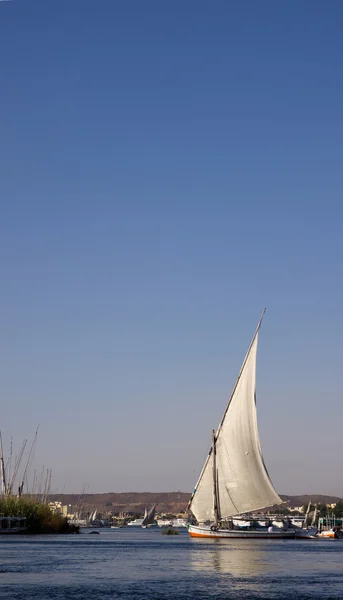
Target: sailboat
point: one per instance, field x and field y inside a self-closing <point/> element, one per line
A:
<point x="149" y="517"/>
<point x="234" y="482"/>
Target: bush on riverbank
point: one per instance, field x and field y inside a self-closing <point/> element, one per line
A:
<point x="170" y="531"/>
<point x="39" y="518"/>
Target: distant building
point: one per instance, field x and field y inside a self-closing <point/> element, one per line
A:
<point x="67" y="510"/>
<point x="56" y="508"/>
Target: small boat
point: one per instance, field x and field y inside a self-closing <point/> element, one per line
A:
<point x="165" y="522"/>
<point x="179" y="523"/>
<point x="335" y="533"/>
<point x="330" y="527"/>
<point x="11" y="525"/>
<point x="234" y="482"/>
<point x="136" y="523"/>
<point x="176" y="523"/>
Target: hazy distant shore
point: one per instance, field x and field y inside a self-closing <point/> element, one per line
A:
<point x="167" y="502"/>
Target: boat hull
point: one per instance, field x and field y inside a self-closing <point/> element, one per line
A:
<point x="13" y="531"/>
<point x="331" y="534"/>
<point x="307" y="534"/>
<point x="197" y="531"/>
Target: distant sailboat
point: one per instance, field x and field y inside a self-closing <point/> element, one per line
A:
<point x="234" y="481"/>
<point x="149" y="517"/>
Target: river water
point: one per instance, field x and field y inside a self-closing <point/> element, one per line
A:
<point x="142" y="564"/>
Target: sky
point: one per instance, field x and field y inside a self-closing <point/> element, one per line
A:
<point x="167" y="170"/>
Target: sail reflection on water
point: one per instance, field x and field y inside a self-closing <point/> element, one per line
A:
<point x="243" y="560"/>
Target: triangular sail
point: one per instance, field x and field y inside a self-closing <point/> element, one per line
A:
<point x="243" y="484"/>
<point x="150" y="516"/>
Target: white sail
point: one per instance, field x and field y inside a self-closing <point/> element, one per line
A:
<point x="243" y="484"/>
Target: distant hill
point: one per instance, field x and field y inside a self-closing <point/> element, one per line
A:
<point x="306" y="498"/>
<point x="135" y="502"/>
<point x="167" y="502"/>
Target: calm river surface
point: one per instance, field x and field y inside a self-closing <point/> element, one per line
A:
<point x="142" y="564"/>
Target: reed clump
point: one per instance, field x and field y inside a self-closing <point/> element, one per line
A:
<point x="170" y="531"/>
<point x="39" y="517"/>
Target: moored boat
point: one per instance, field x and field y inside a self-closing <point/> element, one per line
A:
<point x="179" y="522"/>
<point x="249" y="532"/>
<point x="11" y="525"/>
<point x="135" y="523"/>
<point x="333" y="533"/>
<point x="330" y="527"/>
<point x="165" y="522"/>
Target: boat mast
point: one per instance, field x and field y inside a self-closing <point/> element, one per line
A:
<point x="241" y="371"/>
<point x="28" y="465"/>
<point x="16" y="468"/>
<point x="214" y="474"/>
<point x="216" y="498"/>
<point x="307" y="513"/>
<point x="2" y="465"/>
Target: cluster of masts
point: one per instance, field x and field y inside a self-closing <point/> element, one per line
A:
<point x="314" y="517"/>
<point x="14" y="472"/>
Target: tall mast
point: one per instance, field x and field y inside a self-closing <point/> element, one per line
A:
<point x="16" y="467"/>
<point x="28" y="464"/>
<point x="214" y="474"/>
<point x="242" y="369"/>
<point x="307" y="513"/>
<point x="2" y="466"/>
<point x="239" y="453"/>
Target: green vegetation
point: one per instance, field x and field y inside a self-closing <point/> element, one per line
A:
<point x="338" y="510"/>
<point x="284" y="510"/>
<point x="39" y="518"/>
<point x="323" y="510"/>
<point x="170" y="531"/>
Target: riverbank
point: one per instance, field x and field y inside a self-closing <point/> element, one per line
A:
<point x="38" y="516"/>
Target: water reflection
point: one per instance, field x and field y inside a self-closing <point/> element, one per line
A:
<point x="146" y="565"/>
<point x="238" y="560"/>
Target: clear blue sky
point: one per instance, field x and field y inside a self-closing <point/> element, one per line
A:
<point x="167" y="170"/>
